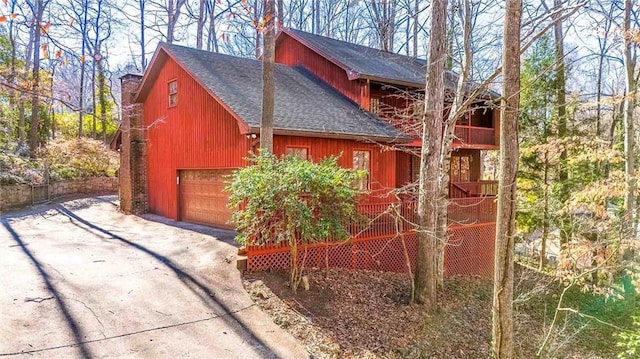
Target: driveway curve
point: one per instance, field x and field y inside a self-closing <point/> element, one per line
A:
<point x="79" y="279"/>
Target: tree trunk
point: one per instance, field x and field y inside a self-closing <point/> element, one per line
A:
<point x="102" y="98"/>
<point x="448" y="134"/>
<point x="502" y="346"/>
<point x="416" y="9"/>
<point x="212" y="40"/>
<point x="561" y="106"/>
<point x="81" y="99"/>
<point x="545" y="215"/>
<point x="256" y="18"/>
<point x="317" y="16"/>
<point x="629" y="131"/>
<point x="280" y="15"/>
<point x="13" y="74"/>
<point x="94" y="113"/>
<point x="22" y="137"/>
<point x="170" y="21"/>
<point x="202" y="18"/>
<point x="268" y="81"/>
<point x="173" y="14"/>
<point x="35" y="87"/>
<point x="83" y="28"/>
<point x="426" y="265"/>
<point x="143" y="56"/>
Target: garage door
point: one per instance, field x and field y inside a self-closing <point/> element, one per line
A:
<point x="202" y="199"/>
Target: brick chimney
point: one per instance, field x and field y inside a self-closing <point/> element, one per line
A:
<point x="133" y="153"/>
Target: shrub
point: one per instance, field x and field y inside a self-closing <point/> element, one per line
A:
<point x="293" y="201"/>
<point x="17" y="169"/>
<point x="629" y="341"/>
<point x="67" y="159"/>
<point x="77" y="158"/>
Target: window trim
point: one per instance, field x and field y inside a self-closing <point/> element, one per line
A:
<point x="172" y="93"/>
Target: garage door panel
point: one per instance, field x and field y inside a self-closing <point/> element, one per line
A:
<point x="202" y="199"/>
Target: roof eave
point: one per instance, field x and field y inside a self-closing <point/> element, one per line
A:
<point x="392" y="81"/>
<point x="333" y="135"/>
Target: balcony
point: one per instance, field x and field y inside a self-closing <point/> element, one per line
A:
<point x="475" y="137"/>
<point x="473" y="189"/>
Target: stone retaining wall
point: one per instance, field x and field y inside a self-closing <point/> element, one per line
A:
<point x="21" y="195"/>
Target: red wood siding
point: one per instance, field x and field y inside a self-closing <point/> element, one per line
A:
<point x="198" y="133"/>
<point x="383" y="164"/>
<point x="290" y="51"/>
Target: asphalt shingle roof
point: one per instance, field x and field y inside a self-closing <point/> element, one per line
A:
<point x="302" y="102"/>
<point x="363" y="61"/>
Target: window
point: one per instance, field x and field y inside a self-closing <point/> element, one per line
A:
<point x="361" y="163"/>
<point x="173" y="93"/>
<point x="374" y="105"/>
<point x="300" y="152"/>
<point x="460" y="168"/>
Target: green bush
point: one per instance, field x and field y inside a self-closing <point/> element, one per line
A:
<point x="293" y="201"/>
<point x="629" y="341"/>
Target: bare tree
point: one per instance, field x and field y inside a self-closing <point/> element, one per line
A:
<point x="383" y="17"/>
<point x="426" y="261"/>
<point x="463" y="10"/>
<point x="212" y="38"/>
<point x="143" y="59"/>
<point x="174" y="9"/>
<point x="202" y="18"/>
<point x="629" y="57"/>
<point x="502" y="345"/>
<point x="37" y="10"/>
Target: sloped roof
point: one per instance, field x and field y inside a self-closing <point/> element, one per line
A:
<point x="303" y="103"/>
<point x="362" y="62"/>
<point x="370" y="63"/>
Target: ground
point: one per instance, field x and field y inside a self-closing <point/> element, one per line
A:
<point x="361" y="314"/>
<point x="81" y="280"/>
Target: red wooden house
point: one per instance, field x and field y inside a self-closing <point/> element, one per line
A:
<point x="194" y="117"/>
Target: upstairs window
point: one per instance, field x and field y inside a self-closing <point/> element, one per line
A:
<point x="299" y="152"/>
<point x="173" y="93"/>
<point x="374" y="105"/>
<point x="361" y="163"/>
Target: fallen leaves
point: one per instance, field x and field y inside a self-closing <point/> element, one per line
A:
<point x="363" y="314"/>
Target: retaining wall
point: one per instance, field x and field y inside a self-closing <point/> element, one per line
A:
<point x="21" y="195"/>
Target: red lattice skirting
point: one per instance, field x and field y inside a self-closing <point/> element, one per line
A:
<point x="469" y="251"/>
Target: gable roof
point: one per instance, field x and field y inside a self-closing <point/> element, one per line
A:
<point x="367" y="62"/>
<point x="362" y="62"/>
<point x="304" y="105"/>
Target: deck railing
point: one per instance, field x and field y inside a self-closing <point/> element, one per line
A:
<point x="473" y="135"/>
<point x="381" y="220"/>
<point x="473" y="189"/>
<point x="473" y="210"/>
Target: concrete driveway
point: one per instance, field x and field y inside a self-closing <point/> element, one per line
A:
<point x="78" y="279"/>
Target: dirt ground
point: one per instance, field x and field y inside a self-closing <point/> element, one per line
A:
<point x="361" y="314"/>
